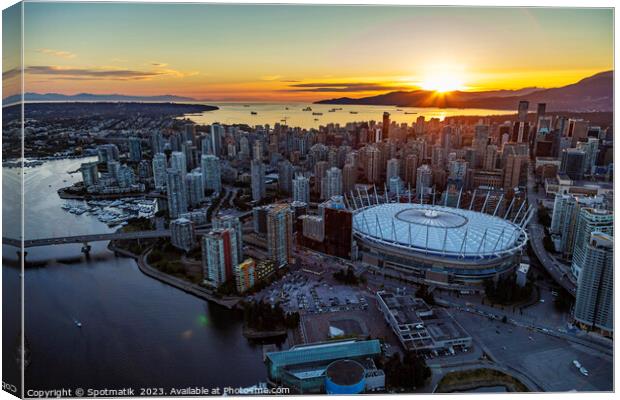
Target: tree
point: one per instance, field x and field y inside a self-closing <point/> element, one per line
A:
<point x="543" y="216"/>
<point x="506" y="291"/>
<point x="262" y="316"/>
<point x="563" y="301"/>
<point x="347" y="277"/>
<point x="407" y="373"/>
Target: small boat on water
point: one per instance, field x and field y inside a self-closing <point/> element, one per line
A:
<point x="77" y="323"/>
<point x="410" y="112"/>
<point x="317" y="113"/>
<point x="307" y="109"/>
<point x="253" y="112"/>
<point x="353" y="112"/>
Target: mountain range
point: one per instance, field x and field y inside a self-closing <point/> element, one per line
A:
<point x="42" y="97"/>
<point x="594" y="93"/>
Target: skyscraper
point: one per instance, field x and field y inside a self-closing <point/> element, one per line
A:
<point x="285" y="176"/>
<point x="135" y="149"/>
<point x="244" y="148"/>
<point x="107" y="152"/>
<point x="90" y="175"/>
<point x="594" y="302"/>
<point x="520" y="131"/>
<point x="479" y="143"/>
<point x="195" y="188"/>
<point x="125" y="176"/>
<point x="217" y="133"/>
<point x="458" y="173"/>
<point x="515" y="163"/>
<point x="385" y="128"/>
<point x="446" y="138"/>
<point x="211" y="172"/>
<point x="373" y="164"/>
<point x="522" y="111"/>
<point x="411" y="168"/>
<point x="320" y="168"/>
<point x="349" y="177"/>
<point x="257" y="150"/>
<point x="334" y="182"/>
<point x="541" y="109"/>
<point x="182" y="234"/>
<point x="157" y="143"/>
<point x="114" y="168"/>
<point x="176" y="192"/>
<point x="219" y="256"/>
<point x="301" y="189"/>
<point x="490" y="157"/>
<point x="189" y="133"/>
<point x="178" y="161"/>
<point x="424" y="180"/>
<point x="589" y="220"/>
<point x="438" y="156"/>
<point x="258" y="180"/>
<point x="393" y="168"/>
<point x="231" y="222"/>
<point x="159" y="171"/>
<point x="566" y="210"/>
<point x="280" y="234"/>
<point x="572" y="163"/>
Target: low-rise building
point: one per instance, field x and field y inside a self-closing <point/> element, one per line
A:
<point x="303" y="367"/>
<point x="420" y="327"/>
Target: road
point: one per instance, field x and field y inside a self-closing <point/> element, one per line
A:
<point x="558" y="272"/>
<point x="91" y="238"/>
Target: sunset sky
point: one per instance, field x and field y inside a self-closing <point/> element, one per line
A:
<point x="227" y="52"/>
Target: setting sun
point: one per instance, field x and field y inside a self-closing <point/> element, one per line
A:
<point x="442" y="83"/>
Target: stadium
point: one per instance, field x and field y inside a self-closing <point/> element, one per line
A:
<point x="448" y="247"/>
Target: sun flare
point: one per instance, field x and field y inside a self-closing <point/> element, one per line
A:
<point x="442" y="83"/>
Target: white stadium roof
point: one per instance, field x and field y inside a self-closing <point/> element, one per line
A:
<point x="439" y="230"/>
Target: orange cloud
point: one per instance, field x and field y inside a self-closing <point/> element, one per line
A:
<point x="57" y="53"/>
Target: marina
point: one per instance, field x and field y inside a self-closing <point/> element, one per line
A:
<point x="113" y="212"/>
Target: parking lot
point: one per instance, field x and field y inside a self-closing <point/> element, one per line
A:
<point x="311" y="295"/>
<point x="546" y="359"/>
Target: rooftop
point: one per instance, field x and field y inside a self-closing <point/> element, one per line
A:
<point x="438" y="229"/>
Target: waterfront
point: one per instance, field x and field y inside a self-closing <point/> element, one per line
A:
<point x="136" y="331"/>
<point x="272" y="113"/>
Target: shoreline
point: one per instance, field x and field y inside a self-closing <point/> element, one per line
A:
<point x="190" y="288"/>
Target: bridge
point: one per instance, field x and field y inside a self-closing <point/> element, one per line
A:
<point x="85" y="239"/>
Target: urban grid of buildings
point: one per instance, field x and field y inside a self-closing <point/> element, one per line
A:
<point x="441" y="203"/>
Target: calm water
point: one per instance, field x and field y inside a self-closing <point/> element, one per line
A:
<point x="271" y="113"/>
<point x="136" y="331"/>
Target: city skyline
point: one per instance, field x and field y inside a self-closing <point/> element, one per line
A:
<point x="238" y="52"/>
<point x="439" y="220"/>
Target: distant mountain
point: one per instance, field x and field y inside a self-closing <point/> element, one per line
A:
<point x="594" y="93"/>
<point x="34" y="97"/>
